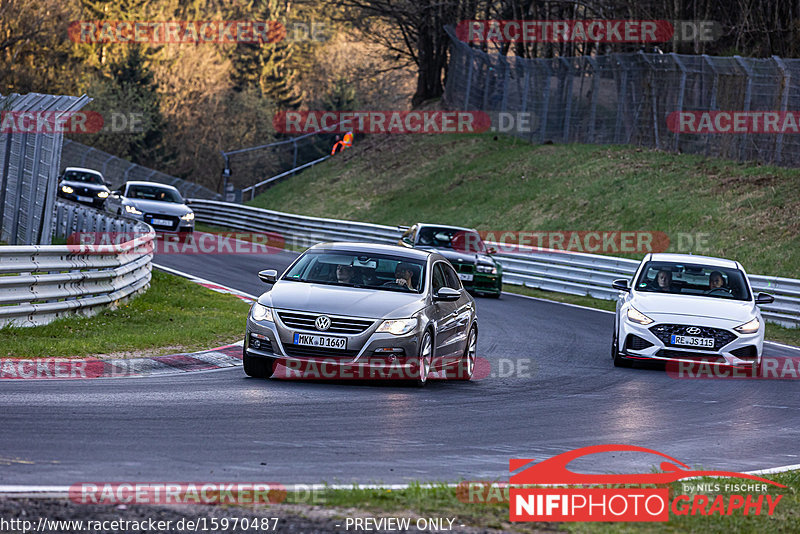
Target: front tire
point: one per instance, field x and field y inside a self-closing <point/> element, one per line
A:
<point x="425" y="359"/>
<point x="619" y="361"/>
<point x="258" y="367"/>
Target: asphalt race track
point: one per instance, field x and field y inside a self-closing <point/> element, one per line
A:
<point x="223" y="426"/>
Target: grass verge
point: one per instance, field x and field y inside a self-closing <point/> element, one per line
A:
<point x="441" y="501"/>
<point x="174" y="315"/>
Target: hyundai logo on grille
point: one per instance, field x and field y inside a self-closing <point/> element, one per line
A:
<point x="323" y="322"/>
<point x="692" y="330"/>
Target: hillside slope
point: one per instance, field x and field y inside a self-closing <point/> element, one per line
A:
<point x="747" y="212"/>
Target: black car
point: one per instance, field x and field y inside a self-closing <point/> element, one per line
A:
<point x="464" y="249"/>
<point x="86" y="186"/>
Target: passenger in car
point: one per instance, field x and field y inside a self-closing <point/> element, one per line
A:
<point x="664" y="280"/>
<point x="346" y="274"/>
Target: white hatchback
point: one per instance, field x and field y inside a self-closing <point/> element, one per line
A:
<point x="686" y="308"/>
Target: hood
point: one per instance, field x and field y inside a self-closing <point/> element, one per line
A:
<point x="81" y="186"/>
<point x="663" y="307"/>
<point x="159" y="207"/>
<point x="455" y="256"/>
<point x="349" y="301"/>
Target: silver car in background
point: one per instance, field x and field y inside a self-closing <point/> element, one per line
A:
<point x="159" y="205"/>
<point x="402" y="312"/>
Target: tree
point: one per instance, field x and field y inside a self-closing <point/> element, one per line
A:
<point x="266" y="66"/>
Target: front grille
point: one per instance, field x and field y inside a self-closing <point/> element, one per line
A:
<point x="300" y="351"/>
<point x="148" y="217"/>
<point x="746" y="353"/>
<point x="464" y="268"/>
<point x="633" y="342"/>
<point x="339" y="325"/>
<point x="664" y="332"/>
<point x="689" y="355"/>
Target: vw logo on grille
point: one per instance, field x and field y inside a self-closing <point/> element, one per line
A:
<point x="323" y="322"/>
<point x="693" y="330"/>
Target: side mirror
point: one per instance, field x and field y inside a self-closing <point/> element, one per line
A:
<point x="407" y="241"/>
<point x="447" y="294"/>
<point x="621" y="285"/>
<point x="270" y="276"/>
<point x="764" y="298"/>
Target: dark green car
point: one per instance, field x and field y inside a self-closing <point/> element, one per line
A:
<point x="463" y="247"/>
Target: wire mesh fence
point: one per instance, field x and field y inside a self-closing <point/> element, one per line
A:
<point x="264" y="165"/>
<point x="30" y="152"/>
<point x="117" y="171"/>
<point x="717" y="106"/>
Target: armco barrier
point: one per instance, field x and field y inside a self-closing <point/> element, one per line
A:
<point x="563" y="272"/>
<point x="41" y="283"/>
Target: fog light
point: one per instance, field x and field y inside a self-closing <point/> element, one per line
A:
<point x="256" y="344"/>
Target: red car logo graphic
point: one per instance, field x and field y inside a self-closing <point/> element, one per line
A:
<point x="554" y="470"/>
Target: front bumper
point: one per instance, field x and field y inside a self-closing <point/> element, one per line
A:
<point x="368" y="355"/>
<point x="743" y="351"/>
<point x="93" y="201"/>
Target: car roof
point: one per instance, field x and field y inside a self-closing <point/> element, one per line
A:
<point x="411" y="253"/>
<point x="691" y="258"/>
<point x="448" y="226"/>
<point x="82" y="169"/>
<point x="142" y="182"/>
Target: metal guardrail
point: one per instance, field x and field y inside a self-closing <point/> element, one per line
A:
<point x="41" y="283"/>
<point x="550" y="270"/>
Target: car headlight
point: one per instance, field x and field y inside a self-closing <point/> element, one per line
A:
<point x="489" y="269"/>
<point x="103" y="194"/>
<point x="132" y="210"/>
<point x="749" y="327"/>
<point x="188" y="217"/>
<point x="398" y="327"/>
<point x="67" y="189"/>
<point x="261" y="313"/>
<point x="636" y="316"/>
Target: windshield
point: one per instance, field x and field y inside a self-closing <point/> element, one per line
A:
<point x="154" y="192"/>
<point x="84" y="177"/>
<point x="357" y="269"/>
<point x="460" y="240"/>
<point x="693" y="279"/>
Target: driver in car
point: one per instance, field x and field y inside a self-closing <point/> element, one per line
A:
<point x="403" y="276"/>
<point x="716" y="281"/>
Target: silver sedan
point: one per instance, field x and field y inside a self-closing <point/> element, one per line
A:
<point x="361" y="311"/>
